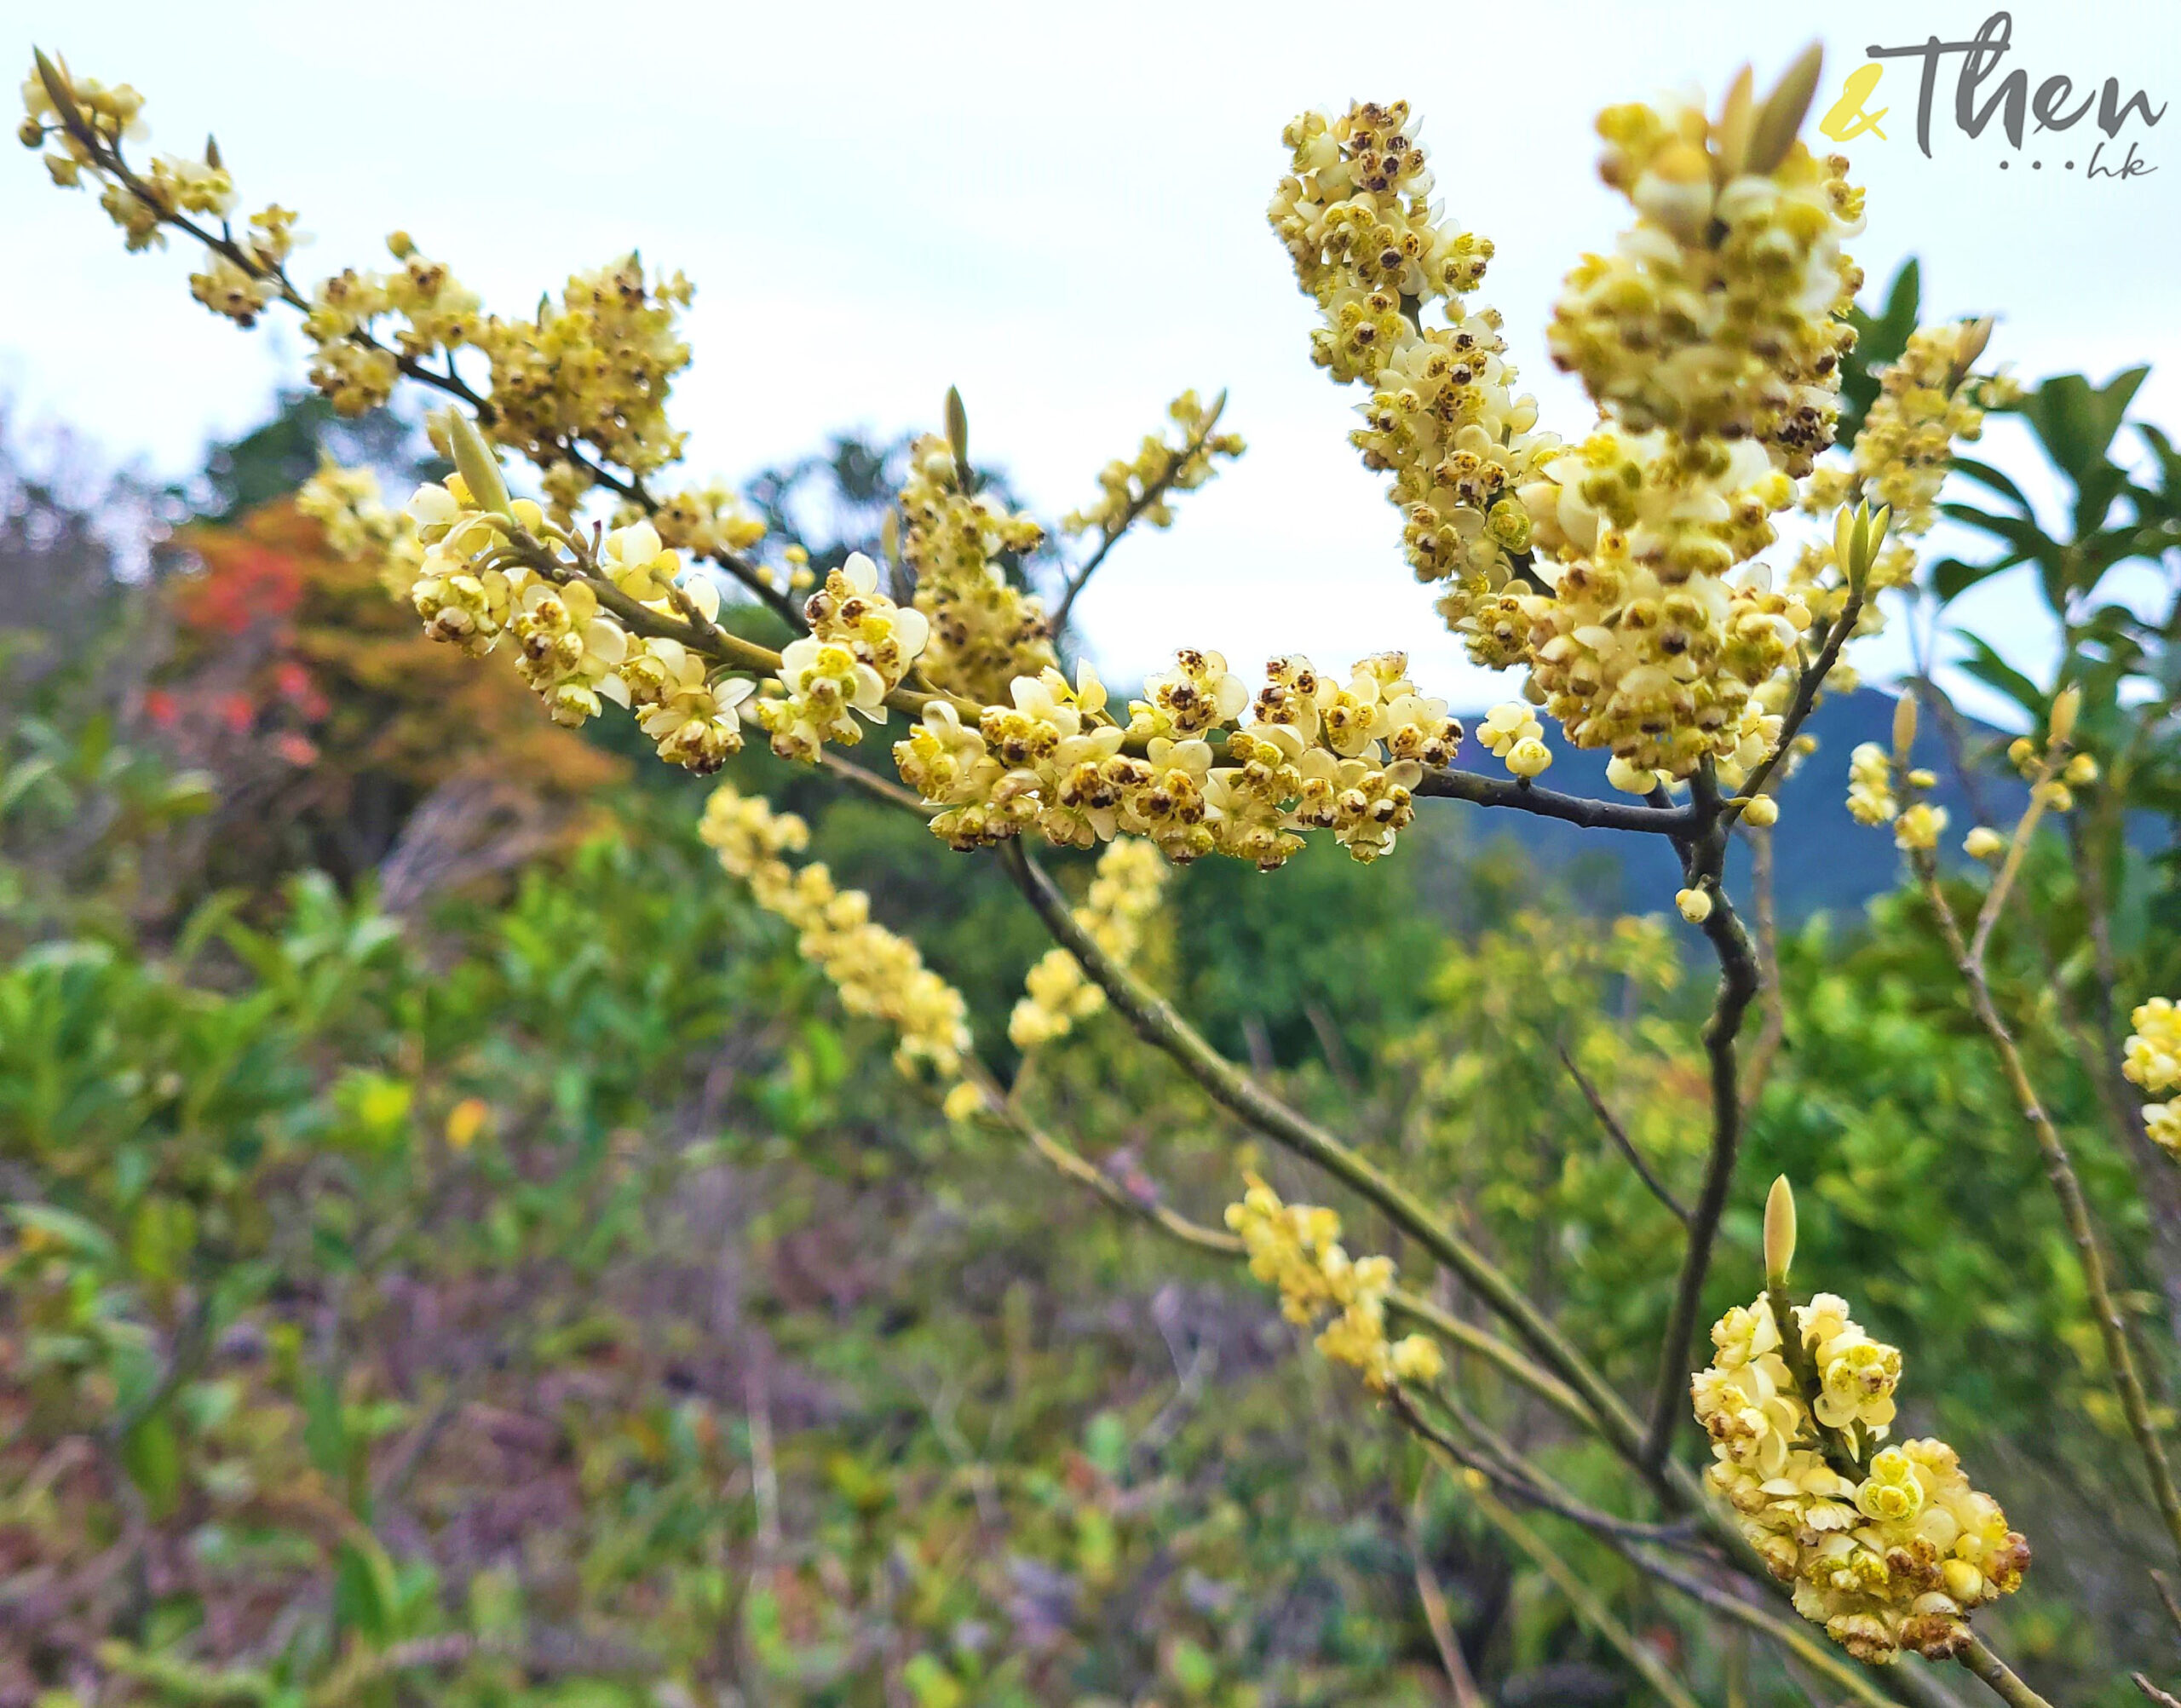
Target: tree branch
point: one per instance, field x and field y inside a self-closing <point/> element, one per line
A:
<point x="1156" y="1022"/>
<point x="1738" y="981"/>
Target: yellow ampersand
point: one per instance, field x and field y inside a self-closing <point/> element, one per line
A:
<point x="1847" y="120"/>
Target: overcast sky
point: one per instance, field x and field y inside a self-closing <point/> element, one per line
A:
<point x="1060" y="209"/>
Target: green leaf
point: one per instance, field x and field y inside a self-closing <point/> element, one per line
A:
<point x="161" y="1234"/>
<point x="66" y="1230"/>
<point x="1951" y="577"/>
<point x="1988" y="666"/>
<point x="1985" y="474"/>
<point x="150" y="1453"/>
<point x="325" y="1432"/>
<point x="364" y="1590"/>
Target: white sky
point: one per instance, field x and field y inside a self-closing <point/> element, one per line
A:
<point x="1060" y="209"/>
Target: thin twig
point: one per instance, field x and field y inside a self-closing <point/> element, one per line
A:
<point x="1589" y="1609"/>
<point x="871" y="783"/>
<point x="1523" y="1480"/>
<point x="1772" y="1002"/>
<point x="1434" y="1599"/>
<point x="2075" y="1209"/>
<point x="1806" y="691"/>
<point x="1619" y="1135"/>
<point x="1152" y="494"/>
<point x="2165" y="1596"/>
<point x="1999" y="1675"/>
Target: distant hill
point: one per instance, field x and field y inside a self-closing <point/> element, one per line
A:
<point x="1825" y="860"/>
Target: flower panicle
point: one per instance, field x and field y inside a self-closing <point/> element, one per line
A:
<point x="1887" y="1546"/>
<point x="1296" y="1249"/>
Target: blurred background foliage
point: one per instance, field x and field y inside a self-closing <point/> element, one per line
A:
<point x="457" y="1252"/>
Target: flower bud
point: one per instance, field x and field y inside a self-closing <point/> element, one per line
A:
<point x="1695" y="905"/>
<point x="1778" y="1233"/>
<point x="1762" y="811"/>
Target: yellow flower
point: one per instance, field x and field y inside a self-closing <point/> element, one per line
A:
<point x="1920" y="826"/>
<point x="1507" y="725"/>
<point x="1871" y="799"/>
<point x="2153" y="1052"/>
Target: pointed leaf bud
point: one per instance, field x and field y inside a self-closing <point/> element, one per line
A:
<point x="479" y="469"/>
<point x="1844" y="545"/>
<point x="1778" y="1233"/>
<point x="1904" y="728"/>
<point x="212" y="153"/>
<point x="957" y="434"/>
<point x="58" y="88"/>
<point x="2065" y="705"/>
<point x="1781" y="118"/>
<point x="1969" y="344"/>
<point x="1737" y="118"/>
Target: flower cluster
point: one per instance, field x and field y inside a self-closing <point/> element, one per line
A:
<point x="1511" y="733"/>
<point x="1124" y="895"/>
<point x="984" y="630"/>
<point x="591" y="370"/>
<point x="1441" y="417"/>
<point x="474" y="586"/>
<point x="347" y="504"/>
<point x="2034" y="759"/>
<point x="1887" y="1547"/>
<point x="1720" y="313"/>
<point x="859" y="646"/>
<point x="1929" y="403"/>
<point x="705" y="521"/>
<point x="1711" y="340"/>
<point x="1872" y="799"/>
<point x="1139" y="490"/>
<point x="1652" y="643"/>
<point x="86" y="123"/>
<point x="353" y="365"/>
<point x="2153" y="1061"/>
<point x="877" y="973"/>
<point x="1297" y="1249"/>
<point x="1313" y="755"/>
<point x="1619" y="569"/>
